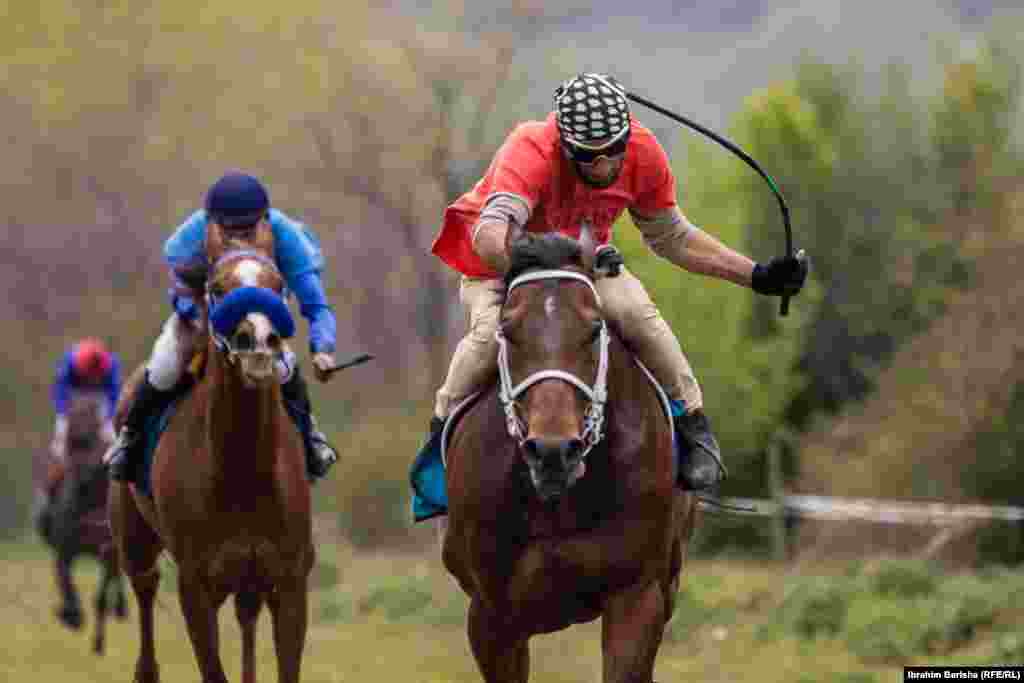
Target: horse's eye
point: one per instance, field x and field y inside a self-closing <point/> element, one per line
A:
<point x="244" y="341"/>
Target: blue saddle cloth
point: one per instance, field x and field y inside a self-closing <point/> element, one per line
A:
<point x="427" y="475"/>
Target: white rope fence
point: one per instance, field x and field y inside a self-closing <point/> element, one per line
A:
<point x="874" y="510"/>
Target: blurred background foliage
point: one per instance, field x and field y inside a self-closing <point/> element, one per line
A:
<point x="895" y="375"/>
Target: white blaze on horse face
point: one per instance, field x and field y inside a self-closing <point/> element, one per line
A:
<point x="248" y="272"/>
<point x="258" y="367"/>
<point x="262" y="328"/>
<point x="549" y="306"/>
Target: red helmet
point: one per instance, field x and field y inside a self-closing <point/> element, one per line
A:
<point x="91" y="360"/>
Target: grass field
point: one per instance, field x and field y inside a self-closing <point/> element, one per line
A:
<point x="398" y="617"/>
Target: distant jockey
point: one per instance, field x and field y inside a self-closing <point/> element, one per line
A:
<point x="88" y="367"/>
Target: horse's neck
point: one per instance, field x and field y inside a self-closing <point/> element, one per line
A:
<point x="243" y="423"/>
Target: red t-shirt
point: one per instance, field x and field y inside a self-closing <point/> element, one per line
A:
<point x="530" y="164"/>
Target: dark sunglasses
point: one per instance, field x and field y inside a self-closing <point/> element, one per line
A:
<point x="585" y="155"/>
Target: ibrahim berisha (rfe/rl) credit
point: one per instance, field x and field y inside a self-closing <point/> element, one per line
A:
<point x="962" y="673"/>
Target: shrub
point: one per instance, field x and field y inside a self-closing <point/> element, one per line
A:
<point x="324" y="575"/>
<point x="1009" y="648"/>
<point x="335" y="607"/>
<point x="821" y="608"/>
<point x="901" y="628"/>
<point x="904" y="578"/>
<point x="397" y="599"/>
<point x="450" y="612"/>
<point x="888" y="629"/>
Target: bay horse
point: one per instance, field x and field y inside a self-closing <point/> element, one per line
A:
<point x="74" y="522"/>
<point x="562" y="505"/>
<point x="230" y="498"/>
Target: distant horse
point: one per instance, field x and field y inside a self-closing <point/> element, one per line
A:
<point x="75" y="520"/>
<point x="230" y="498"/>
<point x="562" y="503"/>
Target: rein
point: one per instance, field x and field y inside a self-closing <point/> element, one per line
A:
<point x="593" y="419"/>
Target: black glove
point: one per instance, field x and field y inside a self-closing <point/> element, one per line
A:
<point x="609" y="261"/>
<point x="782" y="276"/>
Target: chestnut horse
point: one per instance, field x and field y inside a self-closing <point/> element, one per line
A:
<point x="561" y="483"/>
<point x="230" y="498"/>
<point x="74" y="522"/>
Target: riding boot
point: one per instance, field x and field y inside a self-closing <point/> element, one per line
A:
<point x="320" y="455"/>
<point x="123" y="456"/>
<point x="702" y="467"/>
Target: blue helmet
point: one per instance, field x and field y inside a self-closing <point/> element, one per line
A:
<point x="237" y="200"/>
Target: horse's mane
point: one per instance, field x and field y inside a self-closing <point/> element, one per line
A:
<point x="546" y="250"/>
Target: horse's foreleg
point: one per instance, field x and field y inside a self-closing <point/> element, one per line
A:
<point x="99" y="639"/>
<point x="200" y="607"/>
<point x="114" y="593"/>
<point x="120" y="602"/>
<point x="138" y="547"/>
<point x="70" y="610"/>
<point x="247" y="609"/>
<point x="502" y="657"/>
<point x="289" y="611"/>
<point x="145" y="586"/>
<point x="631" y="632"/>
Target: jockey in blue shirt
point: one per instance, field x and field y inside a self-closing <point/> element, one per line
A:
<point x="239" y="204"/>
<point x="88" y="367"/>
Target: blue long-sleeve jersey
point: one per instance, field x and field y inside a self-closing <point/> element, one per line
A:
<point x="298" y="256"/>
<point x="67" y="382"/>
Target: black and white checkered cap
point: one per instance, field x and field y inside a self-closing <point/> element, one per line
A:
<point x="590" y="107"/>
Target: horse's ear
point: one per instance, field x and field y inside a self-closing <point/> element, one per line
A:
<point x="588" y="245"/>
<point x="214" y="241"/>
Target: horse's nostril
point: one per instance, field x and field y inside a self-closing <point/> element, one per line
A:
<point x="552" y="454"/>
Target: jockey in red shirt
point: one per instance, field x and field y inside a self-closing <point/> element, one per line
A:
<point x="590" y="160"/>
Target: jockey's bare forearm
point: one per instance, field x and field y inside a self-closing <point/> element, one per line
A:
<point x="492" y="226"/>
<point x="673" y="237"/>
<point x="489" y="243"/>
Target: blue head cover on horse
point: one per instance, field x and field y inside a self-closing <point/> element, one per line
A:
<point x="226" y="313"/>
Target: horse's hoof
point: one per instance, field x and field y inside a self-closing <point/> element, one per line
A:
<point x="70" y="617"/>
<point x="146" y="675"/>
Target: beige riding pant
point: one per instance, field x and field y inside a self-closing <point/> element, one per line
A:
<point x="625" y="302"/>
<point x="171" y="352"/>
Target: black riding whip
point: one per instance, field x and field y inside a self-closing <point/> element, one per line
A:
<point x="732" y="147"/>
<point x="356" y="360"/>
